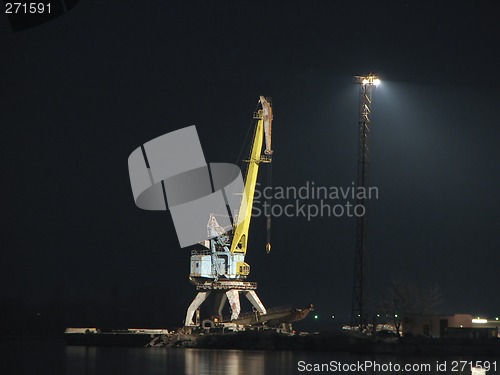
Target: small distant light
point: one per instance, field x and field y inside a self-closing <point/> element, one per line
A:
<point x="395" y="315"/>
<point x="376" y="82"/>
<point x="461" y="326"/>
<point x="315" y="317"/>
<point x="364" y="82"/>
<point x="480" y="321"/>
<point x="378" y="315"/>
<point x="496" y="318"/>
<point x="333" y="316"/>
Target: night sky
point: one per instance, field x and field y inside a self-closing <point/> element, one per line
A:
<point x="81" y="92"/>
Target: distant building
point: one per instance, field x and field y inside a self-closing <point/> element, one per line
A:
<point x="450" y="326"/>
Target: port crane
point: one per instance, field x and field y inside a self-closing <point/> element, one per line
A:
<point x="221" y="268"/>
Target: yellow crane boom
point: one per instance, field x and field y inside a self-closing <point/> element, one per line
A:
<point x="263" y="129"/>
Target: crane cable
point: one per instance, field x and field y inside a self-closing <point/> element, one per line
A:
<point x="245" y="142"/>
<point x="270" y="205"/>
<point x="239" y="161"/>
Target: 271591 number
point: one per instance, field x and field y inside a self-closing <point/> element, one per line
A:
<point x="16" y="8"/>
<point x="461" y="366"/>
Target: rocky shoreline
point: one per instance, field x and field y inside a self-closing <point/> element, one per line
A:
<point x="328" y="342"/>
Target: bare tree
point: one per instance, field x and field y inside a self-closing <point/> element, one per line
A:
<point x="430" y="300"/>
<point x="403" y="299"/>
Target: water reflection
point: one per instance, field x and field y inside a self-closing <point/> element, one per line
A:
<point x="230" y="362"/>
<point x="128" y="361"/>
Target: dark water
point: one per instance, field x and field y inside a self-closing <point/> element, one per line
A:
<point x="43" y="358"/>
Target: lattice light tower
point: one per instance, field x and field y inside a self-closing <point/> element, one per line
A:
<point x="359" y="317"/>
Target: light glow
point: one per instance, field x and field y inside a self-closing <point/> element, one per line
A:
<point x="480" y="321"/>
<point x="370" y="79"/>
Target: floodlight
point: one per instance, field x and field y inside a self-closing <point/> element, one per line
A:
<point x="480" y="321"/>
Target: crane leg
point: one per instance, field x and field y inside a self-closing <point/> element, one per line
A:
<point x="234" y="301"/>
<point x="255" y="301"/>
<point x="220" y="300"/>
<point x="198" y="300"/>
